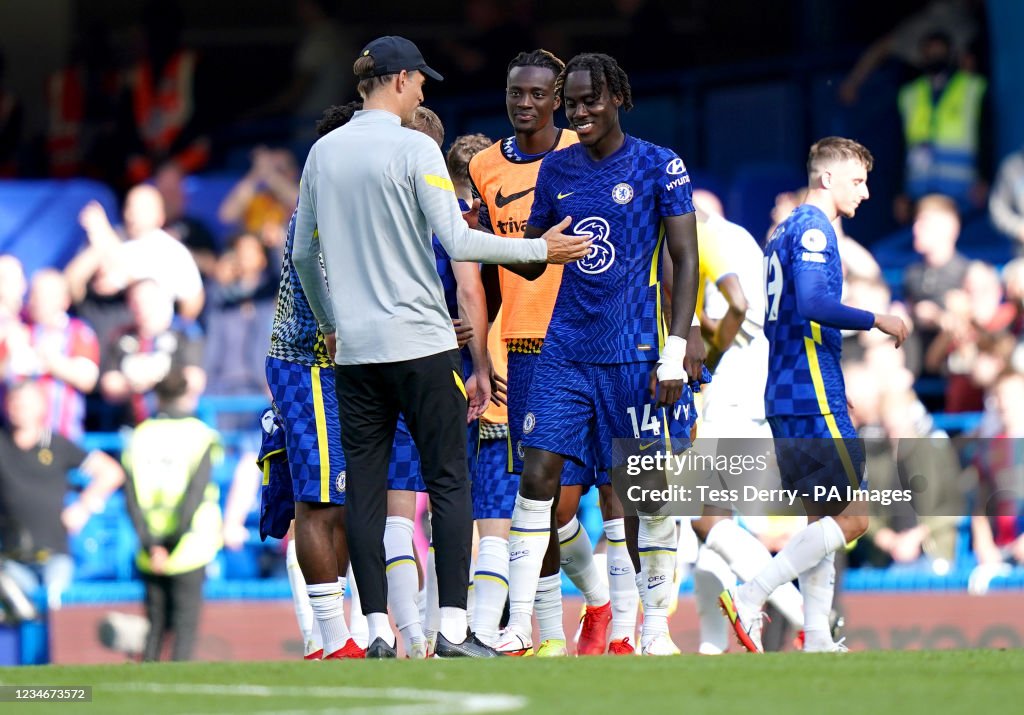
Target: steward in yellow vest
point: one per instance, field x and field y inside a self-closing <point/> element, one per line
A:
<point x="174" y="507"/>
<point x="942" y="126"/>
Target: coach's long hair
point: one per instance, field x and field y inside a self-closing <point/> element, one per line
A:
<point x="363" y="69"/>
<point x="604" y="72"/>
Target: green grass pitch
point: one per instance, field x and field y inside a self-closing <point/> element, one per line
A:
<point x="904" y="683"/>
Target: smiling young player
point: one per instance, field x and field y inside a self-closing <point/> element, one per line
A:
<point x="504" y="178"/>
<point x="591" y="381"/>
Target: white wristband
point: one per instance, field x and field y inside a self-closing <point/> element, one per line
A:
<point x="670" y="365"/>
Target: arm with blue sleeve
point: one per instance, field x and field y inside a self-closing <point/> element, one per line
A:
<point x="814" y="303"/>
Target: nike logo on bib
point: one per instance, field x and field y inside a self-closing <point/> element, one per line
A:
<point x="503" y="201"/>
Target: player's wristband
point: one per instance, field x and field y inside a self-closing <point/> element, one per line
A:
<point x="670" y="366"/>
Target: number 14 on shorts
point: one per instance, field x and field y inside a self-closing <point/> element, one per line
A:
<point x="649" y="423"/>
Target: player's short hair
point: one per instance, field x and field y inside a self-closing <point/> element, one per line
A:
<point x="539" y="58"/>
<point x="427" y="122"/>
<point x="462" y="150"/>
<point x="363" y="70"/>
<point x="936" y="202"/>
<point x="335" y="116"/>
<point x="832" y="149"/>
<point x="172" y="386"/>
<point x="604" y="72"/>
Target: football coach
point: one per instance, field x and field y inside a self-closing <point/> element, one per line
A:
<point x="372" y="192"/>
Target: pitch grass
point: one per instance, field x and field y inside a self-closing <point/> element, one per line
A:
<point x="905" y="683"/>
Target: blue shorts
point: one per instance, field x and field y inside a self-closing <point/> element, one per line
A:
<point x="575" y="475"/>
<point x="307" y="407"/>
<point x="577" y="409"/>
<point x="277" y="500"/>
<point x="818" y="451"/>
<point x="520" y="377"/>
<point x="494" y="487"/>
<point x="404" y="472"/>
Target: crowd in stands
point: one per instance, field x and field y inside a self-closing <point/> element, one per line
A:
<point x="152" y="294"/>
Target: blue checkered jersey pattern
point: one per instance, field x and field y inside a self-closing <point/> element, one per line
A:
<point x="444" y="270"/>
<point x="609" y="305"/>
<point x="804" y="374"/>
<point x="296" y="335"/>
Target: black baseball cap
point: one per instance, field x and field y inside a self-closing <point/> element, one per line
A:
<point x="391" y="54"/>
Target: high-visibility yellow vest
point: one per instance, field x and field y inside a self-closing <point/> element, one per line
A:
<point x="160" y="459"/>
<point x="942" y="134"/>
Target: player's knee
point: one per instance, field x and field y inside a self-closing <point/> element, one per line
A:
<point x="854" y="526"/>
<point x="611" y="507"/>
<point x="565" y="512"/>
<point x="540" y="479"/>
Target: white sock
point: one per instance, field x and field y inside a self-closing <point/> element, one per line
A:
<point x="805" y="550"/>
<point x="601" y="564"/>
<point x="433" y="622"/>
<point x="576" y="554"/>
<point x="528" y="540"/>
<point x="403" y="579"/>
<point x="549" y="608"/>
<point x="656" y="543"/>
<point x="471" y="591"/>
<point x="311" y="640"/>
<point x="711" y="575"/>
<point x="453" y="624"/>
<point x="380" y="627"/>
<point x="622" y="579"/>
<point x="358" y="626"/>
<point x="818" y="585"/>
<point x="490" y="584"/>
<point x="421" y="601"/>
<point x="327" y="601"/>
<point x="747" y="556"/>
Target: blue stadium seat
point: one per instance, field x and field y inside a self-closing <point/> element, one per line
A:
<point x="710" y="181"/>
<point x="753" y="190"/>
<point x="39" y="219"/>
<point x="978" y="240"/>
<point x="957" y="422"/>
<point x="94" y="546"/>
<point x="647" y="121"/>
<point x="204" y="194"/>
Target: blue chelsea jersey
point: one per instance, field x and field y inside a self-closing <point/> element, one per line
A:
<point x="295" y="335"/>
<point x="804" y="373"/>
<point x="609" y="305"/>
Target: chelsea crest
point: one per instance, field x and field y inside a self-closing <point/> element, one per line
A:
<point x="622" y="193"/>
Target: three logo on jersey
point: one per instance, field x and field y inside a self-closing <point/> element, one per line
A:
<point x="602" y="252"/>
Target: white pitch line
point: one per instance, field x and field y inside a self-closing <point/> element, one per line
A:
<point x="422" y="702"/>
